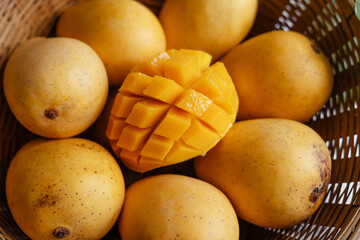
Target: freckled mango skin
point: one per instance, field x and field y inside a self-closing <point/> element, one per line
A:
<point x="280" y="75"/>
<point x="73" y="183"/>
<point x="274" y="171"/>
<point x="176" y="207"/>
<point x="55" y="74"/>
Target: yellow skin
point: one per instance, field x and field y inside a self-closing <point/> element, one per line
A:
<point x="210" y="25"/>
<point x="176" y="207"/>
<point x="279" y="74"/>
<point x="72" y="183"/>
<point x="56" y="87"/>
<point x="123" y="32"/>
<point x="274" y="171"/>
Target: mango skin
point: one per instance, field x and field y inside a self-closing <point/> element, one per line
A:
<point x="274" y="171"/>
<point x="173" y="206"/>
<point x="55" y="87"/>
<point x="210" y="25"/>
<point x="73" y="183"/>
<point x="279" y="74"/>
<point x="122" y="32"/>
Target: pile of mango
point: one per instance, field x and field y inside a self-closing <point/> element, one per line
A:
<point x="159" y="90"/>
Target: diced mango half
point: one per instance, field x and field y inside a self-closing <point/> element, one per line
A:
<point x="171" y="108"/>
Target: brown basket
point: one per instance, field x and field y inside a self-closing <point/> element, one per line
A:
<point x="330" y="23"/>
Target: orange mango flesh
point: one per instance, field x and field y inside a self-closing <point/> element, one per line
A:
<point x="171" y="109"/>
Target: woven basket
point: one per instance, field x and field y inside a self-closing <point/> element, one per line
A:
<point x="330" y="23"/>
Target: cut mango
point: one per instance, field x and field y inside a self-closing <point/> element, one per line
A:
<point x="133" y="138"/>
<point x="163" y="89"/>
<point x="146" y="113"/>
<point x="123" y="104"/>
<point x="177" y="120"/>
<point x="171" y="108"/>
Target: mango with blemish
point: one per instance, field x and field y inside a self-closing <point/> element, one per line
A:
<point x="274" y="171"/>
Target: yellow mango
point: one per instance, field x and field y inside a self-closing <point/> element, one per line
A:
<point x="163" y="89"/>
<point x="123" y="104"/>
<point x="173" y="107"/>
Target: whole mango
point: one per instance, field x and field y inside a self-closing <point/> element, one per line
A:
<point x="274" y="171"/>
<point x="280" y="74"/>
<point x="212" y="26"/>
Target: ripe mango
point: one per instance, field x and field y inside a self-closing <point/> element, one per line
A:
<point x="274" y="171"/>
<point x="280" y="74"/>
<point x="65" y="188"/>
<point x="212" y="26"/>
<point x="55" y="87"/>
<point x="170" y="206"/>
<point x="170" y="109"/>
<point x="122" y="32"/>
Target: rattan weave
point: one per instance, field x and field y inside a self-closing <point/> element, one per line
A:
<point x="330" y="23"/>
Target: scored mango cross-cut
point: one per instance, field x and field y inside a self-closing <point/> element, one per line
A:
<point x="171" y="109"/>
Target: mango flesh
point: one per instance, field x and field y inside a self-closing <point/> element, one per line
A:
<point x="279" y="74"/>
<point x="212" y="26"/>
<point x="122" y="32"/>
<point x="72" y="188"/>
<point x="55" y="87"/>
<point x="171" y="109"/>
<point x="274" y="171"/>
<point x="176" y="207"/>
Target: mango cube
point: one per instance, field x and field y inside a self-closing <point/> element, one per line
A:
<point x="133" y="138"/>
<point x="123" y="104"/>
<point x="157" y="147"/>
<point x="182" y="68"/>
<point x="115" y="127"/>
<point x="146" y="113"/>
<point x="193" y="102"/>
<point x="175" y="119"/>
<point x="171" y="108"/>
<point x="200" y="136"/>
<point x="181" y="152"/>
<point x="135" y="83"/>
<point x="130" y="158"/>
<point x="163" y="89"/>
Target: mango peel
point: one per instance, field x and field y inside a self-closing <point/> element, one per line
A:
<point x="170" y="109"/>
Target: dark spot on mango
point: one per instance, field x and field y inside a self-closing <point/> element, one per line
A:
<point x="61" y="232"/>
<point x="51" y="113"/>
<point x="315" y="48"/>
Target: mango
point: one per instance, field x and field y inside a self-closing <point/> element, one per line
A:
<point x="212" y="26"/>
<point x="55" y="87"/>
<point x="274" y="171"/>
<point x="280" y="74"/>
<point x="170" y="109"/>
<point x="123" y="33"/>
<point x="170" y="206"/>
<point x="65" y="188"/>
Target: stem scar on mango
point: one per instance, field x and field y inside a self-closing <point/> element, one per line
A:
<point x="61" y="232"/>
<point x="51" y="113"/>
<point x="315" y="48"/>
